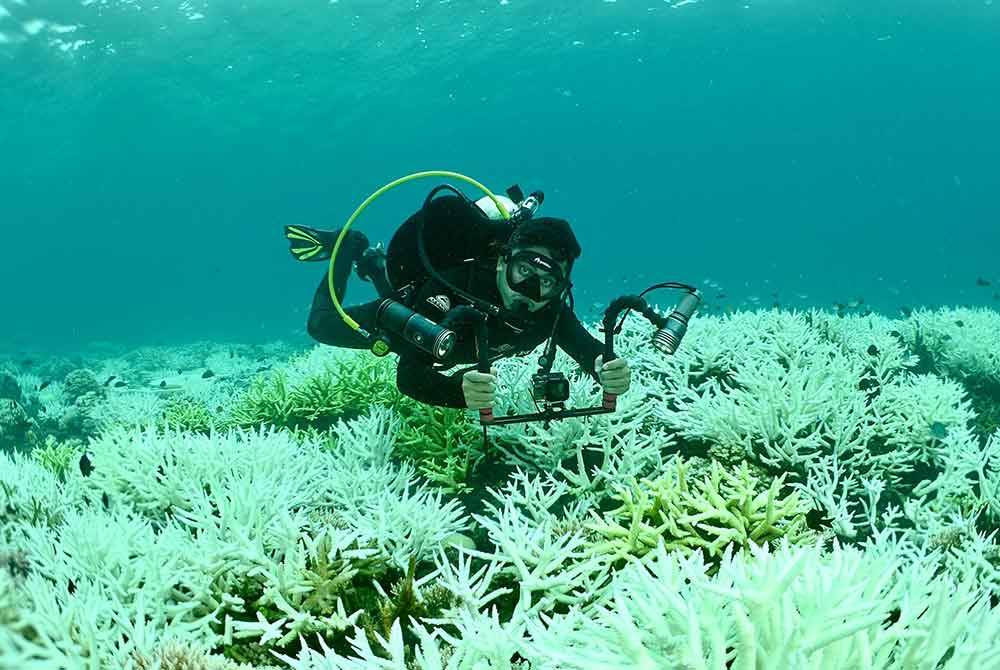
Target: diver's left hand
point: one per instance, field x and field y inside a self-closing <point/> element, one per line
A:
<point x="615" y="375"/>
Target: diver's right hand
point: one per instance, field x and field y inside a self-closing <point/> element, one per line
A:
<point x="478" y="389"/>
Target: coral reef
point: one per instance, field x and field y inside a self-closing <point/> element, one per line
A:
<point x="787" y="490"/>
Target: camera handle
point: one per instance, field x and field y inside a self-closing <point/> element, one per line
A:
<point x="608" y="405"/>
<point x="609" y="401"/>
<point x="463" y="314"/>
<point x="483" y="365"/>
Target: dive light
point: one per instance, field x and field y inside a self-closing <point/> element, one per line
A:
<point x="669" y="330"/>
<point x="415" y="328"/>
<point x="669" y="336"/>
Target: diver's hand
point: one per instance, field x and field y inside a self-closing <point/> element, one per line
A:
<point x="478" y="389"/>
<point x="615" y="375"/>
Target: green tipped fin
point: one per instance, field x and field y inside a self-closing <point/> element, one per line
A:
<point x="309" y="244"/>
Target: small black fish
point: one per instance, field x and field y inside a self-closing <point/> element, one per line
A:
<point x="872" y="350"/>
<point x="179" y="371"/>
<point x="71" y="587"/>
<point x="44" y="385"/>
<point x="104" y="500"/>
<point x="982" y="282"/>
<point x="108" y="380"/>
<point x="85" y="466"/>
<point x="959" y="323"/>
<point x="163" y="384"/>
<point x="120" y="383"/>
<point x="207" y="374"/>
<point x="871" y="388"/>
<point x="261" y="369"/>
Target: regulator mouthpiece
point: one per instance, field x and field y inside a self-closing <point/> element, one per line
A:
<point x="669" y="337"/>
<point x="416" y="329"/>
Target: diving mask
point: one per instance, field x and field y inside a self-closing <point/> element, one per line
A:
<point x="534" y="275"/>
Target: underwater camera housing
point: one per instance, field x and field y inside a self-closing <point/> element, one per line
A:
<point x="550" y="388"/>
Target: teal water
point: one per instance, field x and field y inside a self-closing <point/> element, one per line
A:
<point x="793" y="152"/>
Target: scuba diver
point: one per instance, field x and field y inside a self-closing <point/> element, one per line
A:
<point x="462" y="281"/>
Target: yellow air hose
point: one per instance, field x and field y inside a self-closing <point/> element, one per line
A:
<point x="374" y="196"/>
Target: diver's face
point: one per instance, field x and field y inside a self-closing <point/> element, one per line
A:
<point x="520" y="270"/>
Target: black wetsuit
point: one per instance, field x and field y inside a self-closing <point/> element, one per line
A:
<point x="416" y="374"/>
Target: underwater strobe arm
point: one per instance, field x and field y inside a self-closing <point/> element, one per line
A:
<point x="670" y="331"/>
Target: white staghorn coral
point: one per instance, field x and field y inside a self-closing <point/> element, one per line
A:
<point x="259" y="542"/>
<point x="961" y="342"/>
<point x="793" y="608"/>
<point x="164" y="536"/>
<point x="549" y="564"/>
<point x="547" y="445"/>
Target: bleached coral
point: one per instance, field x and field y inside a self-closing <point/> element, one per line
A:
<point x="789" y="608"/>
<point x="260" y="539"/>
<point x="544" y="446"/>
<point x="130" y="409"/>
<point x="785" y="397"/>
<point x="961" y="341"/>
<point x="30" y="495"/>
<point x="206" y="526"/>
<point x="834" y="402"/>
<point x="968" y="481"/>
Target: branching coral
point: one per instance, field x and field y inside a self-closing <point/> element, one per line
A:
<point x="186" y="414"/>
<point x="178" y="656"/>
<point x="443" y="444"/>
<point x="959" y="342"/>
<point x="312" y="391"/>
<point x="30" y="495"/>
<point x="789" y="608"/>
<point x="244" y="540"/>
<point x="709" y="515"/>
<point x="833" y="402"/>
<point x="58" y="457"/>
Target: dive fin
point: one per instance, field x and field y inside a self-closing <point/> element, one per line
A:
<point x="309" y="244"/>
